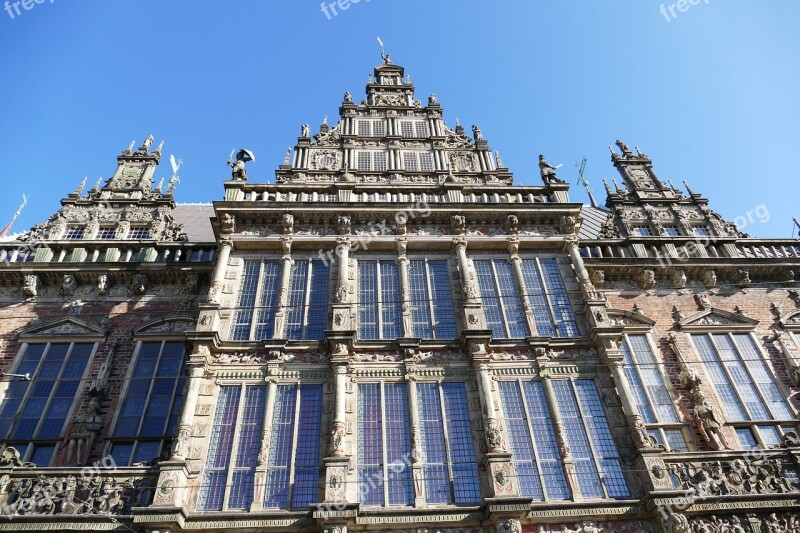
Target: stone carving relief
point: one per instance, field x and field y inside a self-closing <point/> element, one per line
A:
<point x="105" y="495"/>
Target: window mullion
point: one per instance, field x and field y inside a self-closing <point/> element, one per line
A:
<point x="756" y="384"/>
<point x="500" y="301"/>
<point x="307" y="299"/>
<point x="53" y="392"/>
<point x="595" y="456"/>
<point x="295" y="432"/>
<point x="379" y="299"/>
<point x="443" y="412"/>
<point x="429" y="296"/>
<point x="533" y="440"/>
<point x="546" y="288"/>
<point x="385" y="450"/>
<point x="256" y="314"/>
<point x="235" y="446"/>
<point x="731" y="380"/>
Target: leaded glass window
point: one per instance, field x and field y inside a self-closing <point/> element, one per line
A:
<point x="74" y="233"/>
<point x="649" y="391"/>
<point x="432" y="308"/>
<point x="33" y="413"/>
<point x="410" y="162"/>
<point x="500" y="295"/>
<point x="139" y="233"/>
<point x="406" y="128"/>
<point x="294" y="447"/>
<point x="308" y="300"/>
<point x="152" y="403"/>
<point x="229" y="475"/>
<point x="547" y="295"/>
<point x="588" y="435"/>
<point x="745" y="386"/>
<point x="421" y="129"/>
<point x="533" y="442"/>
<point x="379" y="309"/>
<point x="107" y="233"/>
<point x="450" y="473"/>
<point x="384" y="445"/>
<point x="371" y="161"/>
<point x="254" y="316"/>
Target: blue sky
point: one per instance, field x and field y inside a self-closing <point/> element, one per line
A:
<point x="711" y="94"/>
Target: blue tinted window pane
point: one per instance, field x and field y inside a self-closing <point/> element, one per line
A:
<point x="732" y="407"/>
<point x="519" y="438"/>
<point x="42" y="455"/>
<point x="420" y="300"/>
<point x="307" y="458"/>
<point x="675" y="440"/>
<point x="752" y="357"/>
<point x="537" y="297"/>
<point x="368" y="300"/>
<point x="651" y="379"/>
<point x="433" y="455"/>
<point x="390" y="298"/>
<point x="212" y="491"/>
<point x="247" y="448"/>
<point x="490" y="299"/>
<point x="121" y="453"/>
<point x="635" y="386"/>
<point x="460" y="443"/>
<point x="746" y="438"/>
<point x="564" y="316"/>
<point x="268" y="301"/>
<point x="510" y="299"/>
<point x="602" y="440"/>
<point x="295" y="315"/>
<point x="243" y="317"/>
<point x="317" y="316"/>
<point x="370" y="444"/>
<point x="545" y="443"/>
<point x="398" y="444"/>
<point x="280" y="448"/>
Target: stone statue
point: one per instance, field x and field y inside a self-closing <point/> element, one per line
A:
<point x="477" y="133"/>
<point x="624" y="147"/>
<point x="305" y="130"/>
<point x="102" y="283"/>
<point x="432" y="100"/>
<point x="87" y="424"/>
<point x="709" y="426"/>
<point x="147" y="143"/>
<point x="30" y="285"/>
<point x="228" y="223"/>
<point x="69" y="285"/>
<point x="288" y="223"/>
<point x="348" y="97"/>
<point x="548" y="172"/>
<point x="238" y="171"/>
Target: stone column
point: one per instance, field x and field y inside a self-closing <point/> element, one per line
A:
<point x="498" y="460"/>
<point x="405" y="287"/>
<point x="416" y="443"/>
<point x="561" y="436"/>
<point x="174" y="476"/>
<point x="283" y="291"/>
<point x="215" y="292"/>
<point x="613" y="358"/>
<point x="342" y="319"/>
<point x="516" y="261"/>
<point x="337" y="462"/>
<point x="263" y="453"/>
<point x="473" y="315"/>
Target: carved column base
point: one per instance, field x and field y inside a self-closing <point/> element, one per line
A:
<point x="336" y="485"/>
<point x="173" y="485"/>
<point x="652" y="469"/>
<point x="502" y="474"/>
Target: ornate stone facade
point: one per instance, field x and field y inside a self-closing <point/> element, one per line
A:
<point x="394" y="291"/>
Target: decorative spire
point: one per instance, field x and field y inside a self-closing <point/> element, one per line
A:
<point x="160" y="146"/>
<point x="129" y="149"/>
<point x="79" y="189"/>
<point x="608" y="187"/>
<point x="7" y="229"/>
<point x="96" y="187"/>
<point x="616" y="187"/>
<point x="287" y="156"/>
<point x="691" y="192"/>
<point x="614" y="155"/>
<point x="499" y="161"/>
<point x="173" y="181"/>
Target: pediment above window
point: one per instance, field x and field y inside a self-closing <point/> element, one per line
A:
<point x="62" y="327"/>
<point x="791" y="320"/>
<point x="630" y="320"/>
<point x="714" y="318"/>
<point x="166" y="326"/>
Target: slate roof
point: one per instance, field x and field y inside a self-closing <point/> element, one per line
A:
<point x="592" y="220"/>
<point x="196" y="220"/>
